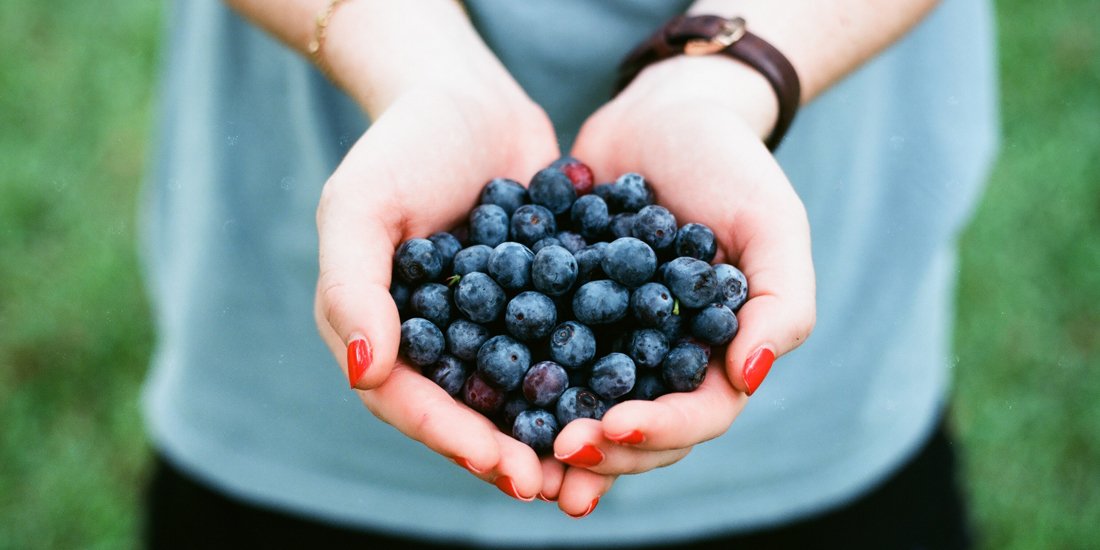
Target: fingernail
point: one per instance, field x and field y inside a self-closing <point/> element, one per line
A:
<point x="359" y="359"/>
<point x="505" y="484"/>
<point x="756" y="368"/>
<point x="591" y="507"/>
<point x="543" y="498"/>
<point x="466" y="464"/>
<point x="633" y="437"/>
<point x="585" y="457"/>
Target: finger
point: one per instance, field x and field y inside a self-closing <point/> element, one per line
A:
<point x="353" y="299"/>
<point x="420" y="409"/>
<point x="519" y="473"/>
<point x="583" y="445"/>
<point x="581" y="490"/>
<point x="774" y="253"/>
<point x="677" y="420"/>
<point x="553" y="472"/>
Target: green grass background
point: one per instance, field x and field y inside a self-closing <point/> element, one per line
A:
<point x="76" y="93"/>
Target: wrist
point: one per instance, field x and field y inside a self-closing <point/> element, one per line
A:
<point x="379" y="51"/>
<point x="711" y="80"/>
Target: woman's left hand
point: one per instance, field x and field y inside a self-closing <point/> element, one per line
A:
<point x="694" y="127"/>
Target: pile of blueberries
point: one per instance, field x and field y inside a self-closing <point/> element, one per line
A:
<point x="559" y="300"/>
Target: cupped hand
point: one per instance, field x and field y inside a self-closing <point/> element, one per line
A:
<point x="694" y="127"/>
<point x="416" y="171"/>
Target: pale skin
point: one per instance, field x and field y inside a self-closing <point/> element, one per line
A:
<point x="445" y="113"/>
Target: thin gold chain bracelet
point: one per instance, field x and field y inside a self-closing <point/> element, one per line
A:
<point x="320" y="31"/>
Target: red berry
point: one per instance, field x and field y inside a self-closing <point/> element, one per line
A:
<point x="581" y="176"/>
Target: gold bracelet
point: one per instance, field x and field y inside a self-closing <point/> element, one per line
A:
<point x="319" y="32"/>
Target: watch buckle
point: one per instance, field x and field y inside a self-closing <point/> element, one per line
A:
<point x="732" y="31"/>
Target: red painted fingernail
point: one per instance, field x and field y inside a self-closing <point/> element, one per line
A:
<point x="591" y="507"/>
<point x="756" y="368"/>
<point x="505" y="484"/>
<point x="543" y="498"/>
<point x="466" y="464"/>
<point x="632" y="437"/>
<point x="585" y="457"/>
<point x="359" y="359"/>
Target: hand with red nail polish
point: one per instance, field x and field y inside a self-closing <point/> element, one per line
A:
<point x="724" y="177"/>
<point x="415" y="172"/>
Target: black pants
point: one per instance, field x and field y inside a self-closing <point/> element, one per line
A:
<point x="919" y="507"/>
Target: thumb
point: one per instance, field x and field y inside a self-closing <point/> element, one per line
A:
<point x="781" y="310"/>
<point x="355" y="313"/>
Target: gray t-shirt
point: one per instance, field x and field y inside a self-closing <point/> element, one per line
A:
<point x="243" y="394"/>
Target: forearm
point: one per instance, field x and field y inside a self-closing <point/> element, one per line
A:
<point x="377" y="50"/>
<point x="823" y="39"/>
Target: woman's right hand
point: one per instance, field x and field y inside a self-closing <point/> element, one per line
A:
<point x="419" y="170"/>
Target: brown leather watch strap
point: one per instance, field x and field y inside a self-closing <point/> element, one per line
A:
<point x="711" y="34"/>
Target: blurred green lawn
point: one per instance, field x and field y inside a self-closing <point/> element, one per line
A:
<point x="76" y="92"/>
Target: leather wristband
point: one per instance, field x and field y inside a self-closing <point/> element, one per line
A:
<point x="711" y="34"/>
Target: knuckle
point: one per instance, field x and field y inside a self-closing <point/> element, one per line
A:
<point x="330" y="298"/>
<point x="425" y="424"/>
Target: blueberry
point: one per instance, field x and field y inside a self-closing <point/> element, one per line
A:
<point x="537" y="428"/>
<point x="531" y="223"/>
<point x="481" y="396"/>
<point x="510" y="266"/>
<point x="545" y="242"/>
<point x="579" y="402"/>
<point x="450" y="373"/>
<point x="684" y="367"/>
<point x="421" y="341"/>
<point x="631" y="193"/>
<point x="613" y="376"/>
<point x="502" y="362"/>
<point x="544" y="383"/>
<point x="572" y="344"/>
<point x="554" y="270"/>
<point x="733" y="288"/>
<point x="505" y="193"/>
<point x="600" y="302"/>
<point x="418" y="261"/>
<point x="715" y="325"/>
<point x="662" y="272"/>
<point x="695" y="342"/>
<point x="590" y="217"/>
<point x="571" y="241"/>
<point x="692" y="281"/>
<point x="479" y="298"/>
<point x="589" y="259"/>
<point x="603" y="190"/>
<point x="514" y="403"/>
<point x="464" y="338"/>
<point x="530" y="316"/>
<point x="629" y="261"/>
<point x="488" y="225"/>
<point x="447" y="245"/>
<point x="553" y="189"/>
<point x="647" y="347"/>
<point x="696" y="240"/>
<point x="648" y="387"/>
<point x="651" y="304"/>
<point x="471" y="259"/>
<point x="622" y="225"/>
<point x="673" y="327"/>
<point x="432" y="301"/>
<point x="655" y="226"/>
<point x="400" y="291"/>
